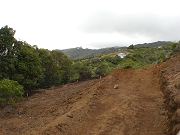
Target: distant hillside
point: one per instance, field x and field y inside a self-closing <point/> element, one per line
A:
<point x="154" y="44"/>
<point x="80" y="53"/>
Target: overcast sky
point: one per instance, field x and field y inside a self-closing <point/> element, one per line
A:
<point x="60" y="24"/>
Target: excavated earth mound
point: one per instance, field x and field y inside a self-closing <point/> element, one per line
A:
<point x="127" y="102"/>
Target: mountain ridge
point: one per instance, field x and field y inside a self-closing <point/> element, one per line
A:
<point x="80" y="53"/>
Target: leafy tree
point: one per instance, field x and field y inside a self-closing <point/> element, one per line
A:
<point x="112" y="59"/>
<point x="81" y="71"/>
<point x="131" y="47"/>
<point x="7" y="52"/>
<point x="62" y="67"/>
<point x="28" y="67"/>
<point x="7" y="41"/>
<point x="103" y="69"/>
<point x="48" y="68"/>
<point x="84" y="72"/>
<point x="75" y="68"/>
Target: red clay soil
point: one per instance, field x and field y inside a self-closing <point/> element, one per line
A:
<point x="134" y="107"/>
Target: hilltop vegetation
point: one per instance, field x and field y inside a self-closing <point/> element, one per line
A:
<point x="154" y="44"/>
<point x="80" y="53"/>
<point x="139" y="57"/>
<point x="136" y="58"/>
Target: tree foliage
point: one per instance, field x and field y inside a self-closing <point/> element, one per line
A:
<point x="28" y="69"/>
<point x="10" y="91"/>
<point x="29" y="66"/>
<point x="102" y="69"/>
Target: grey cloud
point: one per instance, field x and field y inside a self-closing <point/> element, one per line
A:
<point x="155" y="27"/>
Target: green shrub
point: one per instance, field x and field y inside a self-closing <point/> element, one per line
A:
<point x="10" y="91"/>
<point x="102" y="69"/>
<point x="130" y="63"/>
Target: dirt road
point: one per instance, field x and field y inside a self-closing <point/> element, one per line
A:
<point x="94" y="107"/>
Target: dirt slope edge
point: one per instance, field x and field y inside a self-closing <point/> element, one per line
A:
<point x="170" y="85"/>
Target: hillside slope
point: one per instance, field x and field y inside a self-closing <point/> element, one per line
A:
<point x="154" y="44"/>
<point x="134" y="107"/>
<point x="80" y="53"/>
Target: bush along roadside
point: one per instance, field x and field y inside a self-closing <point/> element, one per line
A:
<point x="10" y="92"/>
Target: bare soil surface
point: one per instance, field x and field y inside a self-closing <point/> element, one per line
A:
<point x="127" y="102"/>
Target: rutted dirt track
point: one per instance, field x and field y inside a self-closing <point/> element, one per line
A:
<point x="135" y="107"/>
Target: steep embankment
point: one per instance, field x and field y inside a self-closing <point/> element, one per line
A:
<point x="170" y="85"/>
<point x="127" y="102"/>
